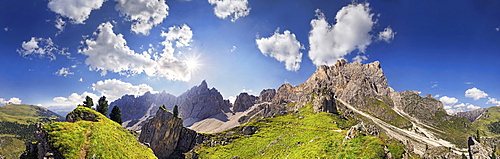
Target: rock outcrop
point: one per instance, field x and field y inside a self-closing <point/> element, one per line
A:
<point x="167" y="137"/>
<point x="243" y="102"/>
<point x="266" y="95"/>
<point x="477" y="150"/>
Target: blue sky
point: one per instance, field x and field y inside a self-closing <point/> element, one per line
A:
<point x="56" y="52"/>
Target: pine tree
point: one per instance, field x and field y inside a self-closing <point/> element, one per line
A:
<point x="176" y="111"/>
<point x="88" y="102"/>
<point x="478" y="137"/>
<point x="116" y="115"/>
<point x="102" y="106"/>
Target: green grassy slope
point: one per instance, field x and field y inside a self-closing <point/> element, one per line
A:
<point x="17" y="126"/>
<point x="25" y="114"/>
<point x="485" y="122"/>
<point x="300" y="135"/>
<point x="102" y="139"/>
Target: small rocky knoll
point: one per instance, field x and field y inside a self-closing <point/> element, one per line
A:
<point x="166" y="135"/>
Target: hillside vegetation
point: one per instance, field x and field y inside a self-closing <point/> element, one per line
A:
<point x="302" y="134"/>
<point x="101" y="139"/>
<point x="489" y="122"/>
<point x="17" y="126"/>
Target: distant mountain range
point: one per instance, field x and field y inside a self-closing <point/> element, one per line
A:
<point x="351" y="91"/>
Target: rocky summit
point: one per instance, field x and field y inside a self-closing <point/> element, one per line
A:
<point x="198" y="103"/>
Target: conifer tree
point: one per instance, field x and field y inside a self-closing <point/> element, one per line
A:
<point x="176" y="111"/>
<point x="88" y="102"/>
<point x="102" y="106"/>
<point x="116" y="115"/>
<point x="478" y="137"/>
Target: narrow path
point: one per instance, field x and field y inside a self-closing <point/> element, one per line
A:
<point x="85" y="147"/>
<point x="401" y="134"/>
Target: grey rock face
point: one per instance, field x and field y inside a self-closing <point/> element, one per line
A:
<point x="200" y="103"/>
<point x="477" y="150"/>
<point x="324" y="103"/>
<point x="267" y="95"/>
<point x="471" y="115"/>
<point x="196" y="104"/>
<point x="167" y="137"/>
<point x="243" y="102"/>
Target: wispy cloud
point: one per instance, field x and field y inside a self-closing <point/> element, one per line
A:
<point x="64" y="72"/>
<point x="387" y="35"/>
<point x="42" y="48"/>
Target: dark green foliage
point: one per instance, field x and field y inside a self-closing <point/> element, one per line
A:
<point x="116" y="115"/>
<point x="176" y="111"/>
<point x="463" y="156"/>
<point x="88" y="102"/>
<point x="22" y="132"/>
<point x="478" y="137"/>
<point x="494" y="127"/>
<point x="102" y="106"/>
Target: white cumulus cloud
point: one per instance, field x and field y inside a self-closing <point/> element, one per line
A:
<point x="387" y="35"/>
<point x="230" y="8"/>
<point x="330" y="42"/>
<point x="13" y="100"/>
<point x="42" y="48"/>
<point x="493" y="101"/>
<point x="144" y="14"/>
<point x="114" y="89"/>
<point x="109" y="52"/>
<point x="448" y="101"/>
<point x="182" y="36"/>
<point x="283" y="47"/>
<point x="475" y="93"/>
<point x="64" y="72"/>
<point x="76" y="10"/>
<point x="74" y="99"/>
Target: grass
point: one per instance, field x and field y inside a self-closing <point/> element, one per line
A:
<point x="386" y="113"/>
<point x="493" y="115"/>
<point x="26" y="114"/>
<point x="16" y="127"/>
<point x="300" y="135"/>
<point x="11" y="147"/>
<point x="102" y="139"/>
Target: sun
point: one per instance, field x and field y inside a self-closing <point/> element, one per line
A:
<point x="192" y="62"/>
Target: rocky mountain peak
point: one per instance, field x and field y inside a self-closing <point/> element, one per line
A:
<point x="243" y="102"/>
